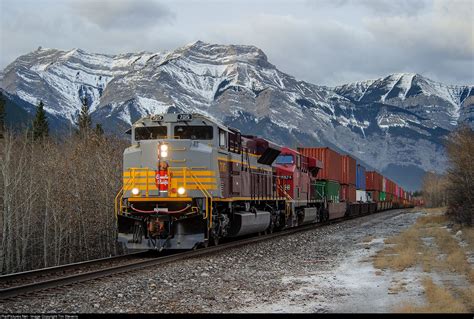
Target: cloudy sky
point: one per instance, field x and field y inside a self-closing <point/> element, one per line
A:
<point x="325" y="42"/>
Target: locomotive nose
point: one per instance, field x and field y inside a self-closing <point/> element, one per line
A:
<point x="169" y="168"/>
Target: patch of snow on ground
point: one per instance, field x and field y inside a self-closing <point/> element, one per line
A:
<point x="354" y="285"/>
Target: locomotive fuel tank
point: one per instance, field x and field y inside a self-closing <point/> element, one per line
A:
<point x="245" y="223"/>
<point x="310" y="214"/>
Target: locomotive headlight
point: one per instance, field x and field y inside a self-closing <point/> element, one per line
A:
<point x="164" y="148"/>
<point x="135" y="191"/>
<point x="181" y="191"/>
<point x="164" y="154"/>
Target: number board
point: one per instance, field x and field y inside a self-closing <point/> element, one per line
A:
<point x="185" y="117"/>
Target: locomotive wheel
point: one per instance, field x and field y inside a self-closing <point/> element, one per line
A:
<point x="215" y="241"/>
<point x="270" y="229"/>
<point x="326" y="215"/>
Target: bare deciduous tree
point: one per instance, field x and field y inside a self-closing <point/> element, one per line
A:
<point x="461" y="175"/>
<point x="56" y="200"/>
<point x="434" y="190"/>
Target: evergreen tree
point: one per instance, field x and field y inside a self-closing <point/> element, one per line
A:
<point x="84" y="121"/>
<point x="40" y="123"/>
<point x="99" y="131"/>
<point x="2" y="115"/>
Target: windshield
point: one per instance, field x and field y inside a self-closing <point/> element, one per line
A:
<point x="150" y="133"/>
<point x="193" y="132"/>
<point x="284" y="159"/>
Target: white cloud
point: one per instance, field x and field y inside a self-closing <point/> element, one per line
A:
<point x="323" y="43"/>
<point x="123" y="14"/>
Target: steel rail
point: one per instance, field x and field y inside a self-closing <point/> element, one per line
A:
<point x="12" y="292"/>
<point x="60" y="268"/>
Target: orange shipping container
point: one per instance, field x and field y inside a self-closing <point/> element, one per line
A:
<point x="332" y="162"/>
<point x="373" y="181"/>
<point x="349" y="167"/>
<point x="348" y="193"/>
<point x="389" y="186"/>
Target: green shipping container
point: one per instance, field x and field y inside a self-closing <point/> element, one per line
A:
<point x="327" y="189"/>
<point x="382" y="196"/>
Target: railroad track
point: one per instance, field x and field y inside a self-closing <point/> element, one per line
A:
<point x="34" y="285"/>
<point x="26" y="277"/>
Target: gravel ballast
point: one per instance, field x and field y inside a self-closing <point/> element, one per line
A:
<point x="295" y="273"/>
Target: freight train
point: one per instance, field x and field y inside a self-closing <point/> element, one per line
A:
<point x="189" y="181"/>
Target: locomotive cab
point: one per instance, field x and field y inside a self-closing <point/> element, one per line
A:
<point x="168" y="178"/>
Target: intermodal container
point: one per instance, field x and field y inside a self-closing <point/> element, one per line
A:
<point x="390" y="187"/>
<point x="373" y="181"/>
<point x="361" y="196"/>
<point x="348" y="193"/>
<point x="382" y="196"/>
<point x="384" y="184"/>
<point x="327" y="189"/>
<point x="348" y="169"/>
<point x="332" y="162"/>
<point x="373" y="196"/>
<point x="360" y="177"/>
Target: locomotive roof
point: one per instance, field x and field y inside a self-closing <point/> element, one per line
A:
<point x="196" y="118"/>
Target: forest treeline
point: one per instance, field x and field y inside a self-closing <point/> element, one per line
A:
<point x="57" y="194"/>
<point x="455" y="188"/>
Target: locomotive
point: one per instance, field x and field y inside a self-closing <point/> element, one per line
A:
<point x="189" y="181"/>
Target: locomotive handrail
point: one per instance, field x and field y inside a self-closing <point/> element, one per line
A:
<point x="117" y="203"/>
<point x="131" y="180"/>
<point x="284" y="192"/>
<point x="208" y="195"/>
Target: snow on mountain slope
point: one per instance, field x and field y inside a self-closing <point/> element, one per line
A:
<point x="401" y="119"/>
<point x="440" y="104"/>
<point x="62" y="78"/>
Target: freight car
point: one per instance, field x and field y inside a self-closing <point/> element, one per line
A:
<point x="189" y="181"/>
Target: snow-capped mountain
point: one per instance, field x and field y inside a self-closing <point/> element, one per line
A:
<point x="390" y="123"/>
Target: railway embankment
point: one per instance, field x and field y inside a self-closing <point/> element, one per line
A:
<point x="335" y="268"/>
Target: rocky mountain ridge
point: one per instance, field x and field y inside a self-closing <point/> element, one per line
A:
<point x="396" y="124"/>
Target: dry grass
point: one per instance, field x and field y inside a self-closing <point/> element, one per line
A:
<point x="396" y="287"/>
<point x="468" y="237"/>
<point x="435" y="210"/>
<point x="455" y="260"/>
<point x="441" y="253"/>
<point x="467" y="297"/>
<point x="428" y="258"/>
<point x="407" y="248"/>
<point x="403" y="254"/>
<point x="432" y="220"/>
<point x="439" y="300"/>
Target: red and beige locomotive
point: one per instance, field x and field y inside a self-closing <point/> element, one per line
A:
<point x="189" y="181"/>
